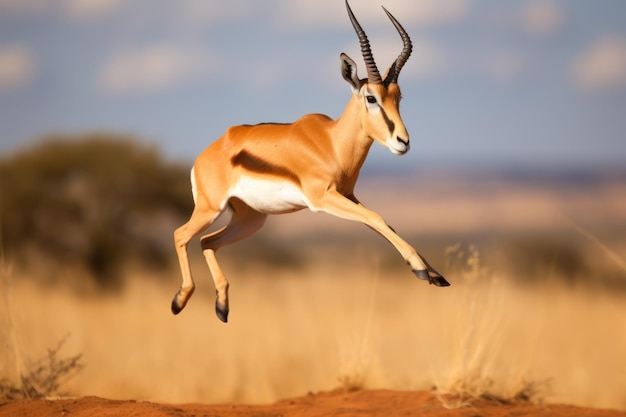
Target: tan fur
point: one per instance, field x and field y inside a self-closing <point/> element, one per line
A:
<point x="280" y="168"/>
<point x="316" y="156"/>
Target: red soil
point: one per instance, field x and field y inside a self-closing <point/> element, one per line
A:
<point x="336" y="403"/>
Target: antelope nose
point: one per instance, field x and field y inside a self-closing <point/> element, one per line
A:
<point x="405" y="142"/>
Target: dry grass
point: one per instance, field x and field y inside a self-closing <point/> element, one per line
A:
<point x="27" y="378"/>
<point x="351" y="324"/>
<point x="471" y="371"/>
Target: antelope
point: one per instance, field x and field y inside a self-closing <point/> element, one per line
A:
<point x="314" y="163"/>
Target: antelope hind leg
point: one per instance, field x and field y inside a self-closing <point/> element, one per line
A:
<point x="221" y="307"/>
<point x="244" y="222"/>
<point x="200" y="219"/>
<point x="221" y="283"/>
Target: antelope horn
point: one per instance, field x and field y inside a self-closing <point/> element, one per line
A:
<point x="373" y="76"/>
<point x="394" y="71"/>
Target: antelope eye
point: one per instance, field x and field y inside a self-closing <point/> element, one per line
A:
<point x="370" y="99"/>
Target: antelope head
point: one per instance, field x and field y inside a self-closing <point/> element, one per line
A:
<point x="378" y="96"/>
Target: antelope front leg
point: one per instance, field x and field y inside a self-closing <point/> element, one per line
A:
<point x="336" y="204"/>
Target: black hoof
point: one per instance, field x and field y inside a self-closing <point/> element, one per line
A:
<point x="221" y="310"/>
<point x="422" y="274"/>
<point x="437" y="281"/>
<point x="176" y="308"/>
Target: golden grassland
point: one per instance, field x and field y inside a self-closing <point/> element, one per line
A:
<point x="346" y="318"/>
<point x="332" y="325"/>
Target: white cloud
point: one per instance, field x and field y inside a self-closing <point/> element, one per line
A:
<point x="154" y="68"/>
<point x="21" y="7"/>
<point x="435" y="12"/>
<point x="18" y="66"/>
<point x="602" y="66"/>
<point x="306" y="14"/>
<point x="84" y="10"/>
<point x="214" y="11"/>
<point x="542" y="18"/>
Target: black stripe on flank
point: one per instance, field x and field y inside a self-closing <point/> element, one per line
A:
<point x="390" y="125"/>
<point x="257" y="164"/>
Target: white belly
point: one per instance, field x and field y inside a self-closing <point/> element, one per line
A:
<point x="270" y="197"/>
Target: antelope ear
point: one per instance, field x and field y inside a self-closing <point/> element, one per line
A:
<point x="348" y="71"/>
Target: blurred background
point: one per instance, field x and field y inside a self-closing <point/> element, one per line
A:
<point x="515" y="188"/>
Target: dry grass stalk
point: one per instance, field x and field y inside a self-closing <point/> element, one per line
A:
<point x="478" y="339"/>
<point x="43" y="377"/>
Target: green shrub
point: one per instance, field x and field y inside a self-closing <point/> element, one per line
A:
<point x="93" y="201"/>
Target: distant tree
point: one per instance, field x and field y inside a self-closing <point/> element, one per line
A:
<point x="96" y="200"/>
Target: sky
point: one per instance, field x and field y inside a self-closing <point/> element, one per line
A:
<point x="531" y="83"/>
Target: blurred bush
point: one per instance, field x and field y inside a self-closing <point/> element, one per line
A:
<point x="94" y="202"/>
<point x="534" y="258"/>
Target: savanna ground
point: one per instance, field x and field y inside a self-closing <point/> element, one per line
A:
<point x="327" y="320"/>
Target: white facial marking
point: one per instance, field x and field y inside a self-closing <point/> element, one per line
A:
<point x="269" y="196"/>
<point x="396" y="147"/>
<point x="371" y="101"/>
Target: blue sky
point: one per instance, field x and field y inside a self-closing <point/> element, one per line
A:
<point x="490" y="82"/>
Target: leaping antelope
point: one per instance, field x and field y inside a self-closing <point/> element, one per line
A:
<point x="311" y="163"/>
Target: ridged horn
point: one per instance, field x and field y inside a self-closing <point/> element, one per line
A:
<point x="373" y="76"/>
<point x="394" y="70"/>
